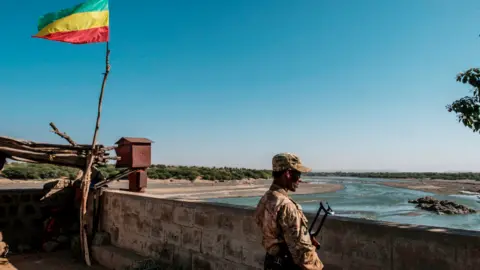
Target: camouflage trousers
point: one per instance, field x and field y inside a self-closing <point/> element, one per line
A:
<point x="279" y="263"/>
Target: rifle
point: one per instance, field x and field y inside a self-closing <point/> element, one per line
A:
<point x="313" y="234"/>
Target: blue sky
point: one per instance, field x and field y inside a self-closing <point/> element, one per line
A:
<point x="350" y="85"/>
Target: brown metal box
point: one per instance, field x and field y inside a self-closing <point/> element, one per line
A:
<point x="137" y="181"/>
<point x="134" y="152"/>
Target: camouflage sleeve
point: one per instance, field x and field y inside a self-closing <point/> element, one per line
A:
<point x="295" y="233"/>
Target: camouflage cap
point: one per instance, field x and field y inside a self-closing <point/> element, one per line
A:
<point x="284" y="161"/>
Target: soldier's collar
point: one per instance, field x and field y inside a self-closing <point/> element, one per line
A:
<point x="277" y="188"/>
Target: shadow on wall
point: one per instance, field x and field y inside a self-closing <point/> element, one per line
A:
<point x="25" y="214"/>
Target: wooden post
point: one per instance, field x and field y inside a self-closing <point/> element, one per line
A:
<point x="87" y="174"/>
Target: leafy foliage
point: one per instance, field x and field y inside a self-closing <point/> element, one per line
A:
<point x="37" y="171"/>
<point x="403" y="175"/>
<point x="468" y="107"/>
<point x="27" y="171"/>
<point x="206" y="173"/>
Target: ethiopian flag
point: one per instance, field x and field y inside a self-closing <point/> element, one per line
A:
<point x="85" y="23"/>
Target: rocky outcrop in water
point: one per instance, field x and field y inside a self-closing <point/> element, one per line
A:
<point x="442" y="207"/>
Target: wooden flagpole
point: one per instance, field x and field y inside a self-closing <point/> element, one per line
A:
<point x="88" y="169"/>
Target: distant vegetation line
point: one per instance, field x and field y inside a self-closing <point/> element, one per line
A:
<point x="29" y="171"/>
<point x="404" y="175"/>
<point x="32" y="171"/>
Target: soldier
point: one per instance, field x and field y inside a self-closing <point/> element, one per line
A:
<point x="286" y="239"/>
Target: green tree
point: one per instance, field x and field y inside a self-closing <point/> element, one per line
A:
<point x="468" y="107"/>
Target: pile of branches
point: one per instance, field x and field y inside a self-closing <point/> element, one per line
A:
<point x="73" y="155"/>
<point x="84" y="157"/>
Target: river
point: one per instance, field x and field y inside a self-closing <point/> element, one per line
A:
<point x="365" y="198"/>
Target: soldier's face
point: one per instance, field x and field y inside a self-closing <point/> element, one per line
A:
<point x="293" y="179"/>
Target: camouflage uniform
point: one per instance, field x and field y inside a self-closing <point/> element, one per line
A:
<point x="283" y="224"/>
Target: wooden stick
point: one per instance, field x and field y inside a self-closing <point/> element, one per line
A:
<point x="87" y="174"/>
<point x="63" y="135"/>
<point x="41" y="155"/>
<point x="36" y="152"/>
<point x="45" y="150"/>
<point x="23" y="160"/>
<point x="45" y="146"/>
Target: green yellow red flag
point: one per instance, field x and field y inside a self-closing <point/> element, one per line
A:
<point x="87" y="22"/>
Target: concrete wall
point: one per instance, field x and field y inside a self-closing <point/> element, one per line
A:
<point x="212" y="236"/>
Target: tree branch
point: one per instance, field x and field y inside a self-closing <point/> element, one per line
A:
<point x="63" y="135"/>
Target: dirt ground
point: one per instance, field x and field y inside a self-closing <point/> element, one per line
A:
<point x="61" y="260"/>
<point x="445" y="187"/>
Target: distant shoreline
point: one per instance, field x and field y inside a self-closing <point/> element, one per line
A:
<point x="443" y="187"/>
<point x="436" y="186"/>
<point x="462" y="176"/>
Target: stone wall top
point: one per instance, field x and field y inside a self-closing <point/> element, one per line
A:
<point x="206" y="235"/>
<point x="247" y="210"/>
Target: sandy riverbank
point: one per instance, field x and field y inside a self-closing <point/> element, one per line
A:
<point x="446" y="187"/>
<point x="202" y="189"/>
<point x="196" y="190"/>
<point x="242" y="188"/>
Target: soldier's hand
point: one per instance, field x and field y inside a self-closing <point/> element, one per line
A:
<point x="315" y="242"/>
